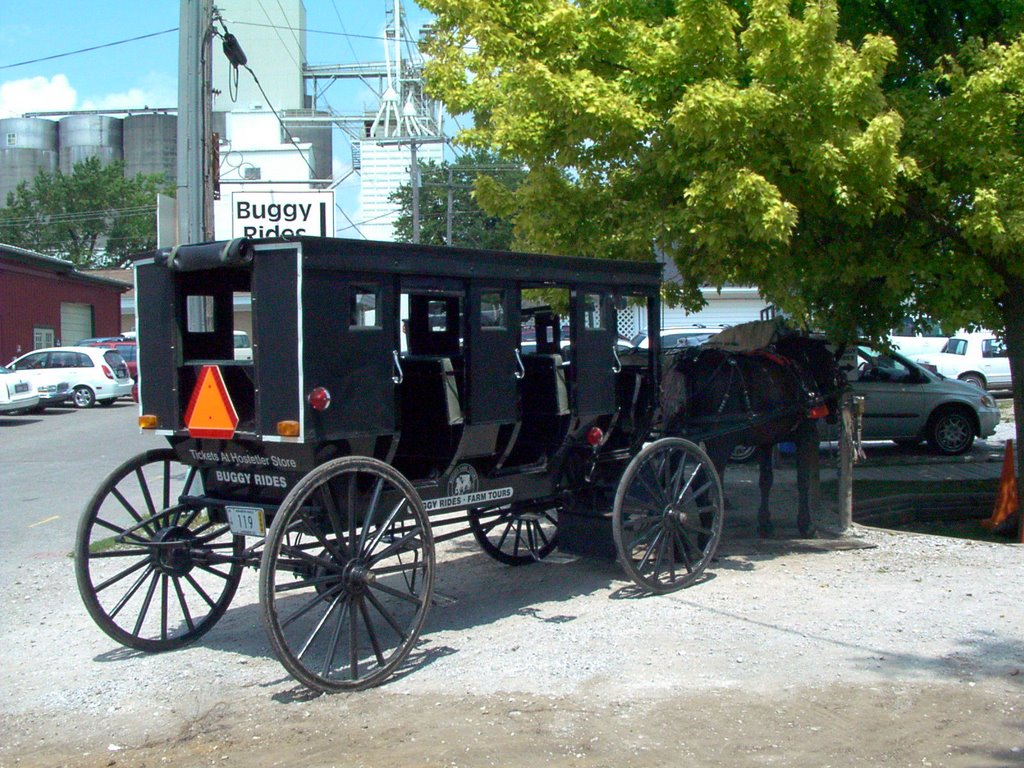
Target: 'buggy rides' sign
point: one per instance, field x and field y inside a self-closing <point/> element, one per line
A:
<point x="282" y="214"/>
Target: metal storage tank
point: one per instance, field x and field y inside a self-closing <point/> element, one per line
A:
<point x="84" y="136"/>
<point x="28" y="145"/>
<point x="151" y="145"/>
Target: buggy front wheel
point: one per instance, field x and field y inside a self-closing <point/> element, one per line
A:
<point x="154" y="570"/>
<point x="667" y="517"/>
<point x="347" y="575"/>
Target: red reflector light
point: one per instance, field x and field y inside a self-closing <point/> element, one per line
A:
<point x="595" y="436"/>
<point x="107" y="372"/>
<point x="818" y="412"/>
<point x="319" y="399"/>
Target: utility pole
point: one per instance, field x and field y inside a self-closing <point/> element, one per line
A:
<point x="414" y="182"/>
<point x="194" y="188"/>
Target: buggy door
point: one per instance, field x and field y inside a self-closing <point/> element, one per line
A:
<point x="594" y="363"/>
<point x="495" y="367"/>
<point x="351" y="345"/>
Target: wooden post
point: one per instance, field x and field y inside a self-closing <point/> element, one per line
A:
<point x="851" y="411"/>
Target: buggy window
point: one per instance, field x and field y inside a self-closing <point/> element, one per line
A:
<point x="492" y="309"/>
<point x="437" y="315"/>
<point x="363" y="307"/>
<point x="592" y="319"/>
<point x="200" y="315"/>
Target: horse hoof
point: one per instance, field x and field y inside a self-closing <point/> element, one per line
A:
<point x="807" y="531"/>
<point x="765" y="531"/>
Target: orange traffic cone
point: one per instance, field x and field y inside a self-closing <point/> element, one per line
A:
<point x="1007" y="503"/>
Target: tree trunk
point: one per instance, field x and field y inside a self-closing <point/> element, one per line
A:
<point x="1013" y="322"/>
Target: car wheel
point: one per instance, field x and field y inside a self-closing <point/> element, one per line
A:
<point x="975" y="379"/>
<point x="951" y="432"/>
<point x="83" y="397"/>
<point x="742" y="453"/>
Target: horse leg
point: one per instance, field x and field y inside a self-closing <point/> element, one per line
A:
<point x="764" y="483"/>
<point x="806" y="472"/>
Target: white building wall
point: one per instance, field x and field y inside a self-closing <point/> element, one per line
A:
<point x="274" y="42"/>
<point x="384" y="169"/>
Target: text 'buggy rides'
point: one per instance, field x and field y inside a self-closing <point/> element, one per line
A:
<point x="397" y="396"/>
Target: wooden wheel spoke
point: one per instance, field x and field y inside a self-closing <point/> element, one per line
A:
<point x="341" y="598"/>
<point x="386" y="614"/>
<point x="199" y="590"/>
<point x="409" y="597"/>
<point x="184" y="605"/>
<point x="374" y="642"/>
<point x="395" y="546"/>
<point x="312" y="603"/>
<point x="146" y="603"/>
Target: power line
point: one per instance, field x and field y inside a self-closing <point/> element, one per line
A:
<point x="87" y="50"/>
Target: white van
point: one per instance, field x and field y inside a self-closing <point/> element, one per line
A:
<point x="243" y="347"/>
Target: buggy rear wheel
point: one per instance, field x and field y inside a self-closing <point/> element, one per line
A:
<point x="667" y="517"/>
<point x="154" y="572"/>
<point x="519" y="534"/>
<point x="347" y="575"/>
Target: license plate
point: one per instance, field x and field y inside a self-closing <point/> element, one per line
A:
<point x="19" y="388"/>
<point x="247" y="521"/>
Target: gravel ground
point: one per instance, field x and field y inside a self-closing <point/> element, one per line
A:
<point x="784" y="652"/>
<point x="893" y="649"/>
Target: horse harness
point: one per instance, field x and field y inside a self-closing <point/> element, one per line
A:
<point x="811" y="404"/>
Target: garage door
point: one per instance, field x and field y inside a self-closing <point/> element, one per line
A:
<point x="75" y="323"/>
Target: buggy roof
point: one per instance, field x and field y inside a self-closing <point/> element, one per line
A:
<point x="413" y="259"/>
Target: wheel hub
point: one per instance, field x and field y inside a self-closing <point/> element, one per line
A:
<point x="173" y="552"/>
<point x="357" y="576"/>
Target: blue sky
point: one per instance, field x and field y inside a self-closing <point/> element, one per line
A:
<point x="143" y="73"/>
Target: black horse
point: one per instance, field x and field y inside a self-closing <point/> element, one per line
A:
<point x="757" y="398"/>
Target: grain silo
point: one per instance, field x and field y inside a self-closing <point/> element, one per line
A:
<point x="151" y="145"/>
<point x="84" y="136"/>
<point x="27" y="146"/>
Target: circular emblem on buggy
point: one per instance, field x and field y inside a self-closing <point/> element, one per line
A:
<point x="463" y="480"/>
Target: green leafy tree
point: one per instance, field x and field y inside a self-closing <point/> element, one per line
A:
<point x="471" y="226"/>
<point x="958" y="83"/>
<point x="94" y="217"/>
<point x="745" y="141"/>
<point x="853" y="161"/>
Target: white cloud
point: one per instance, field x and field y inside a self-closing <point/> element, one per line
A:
<point x="56" y="94"/>
<point x="36" y="94"/>
<point x="155" y="90"/>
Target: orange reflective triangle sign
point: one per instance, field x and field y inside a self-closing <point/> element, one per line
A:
<point x="210" y="411"/>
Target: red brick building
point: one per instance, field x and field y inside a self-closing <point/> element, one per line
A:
<point x="47" y="302"/>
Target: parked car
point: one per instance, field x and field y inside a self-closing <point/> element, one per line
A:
<point x="977" y="358"/>
<point x="17" y="393"/>
<point x="907" y="403"/>
<point x="128" y="350"/>
<point x="678" y="336"/>
<point x="93" y="374"/>
<point x="97" y="339"/>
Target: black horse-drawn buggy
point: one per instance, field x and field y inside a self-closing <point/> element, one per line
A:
<point x="397" y="396"/>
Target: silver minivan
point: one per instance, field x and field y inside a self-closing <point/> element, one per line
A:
<point x="907" y="403"/>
